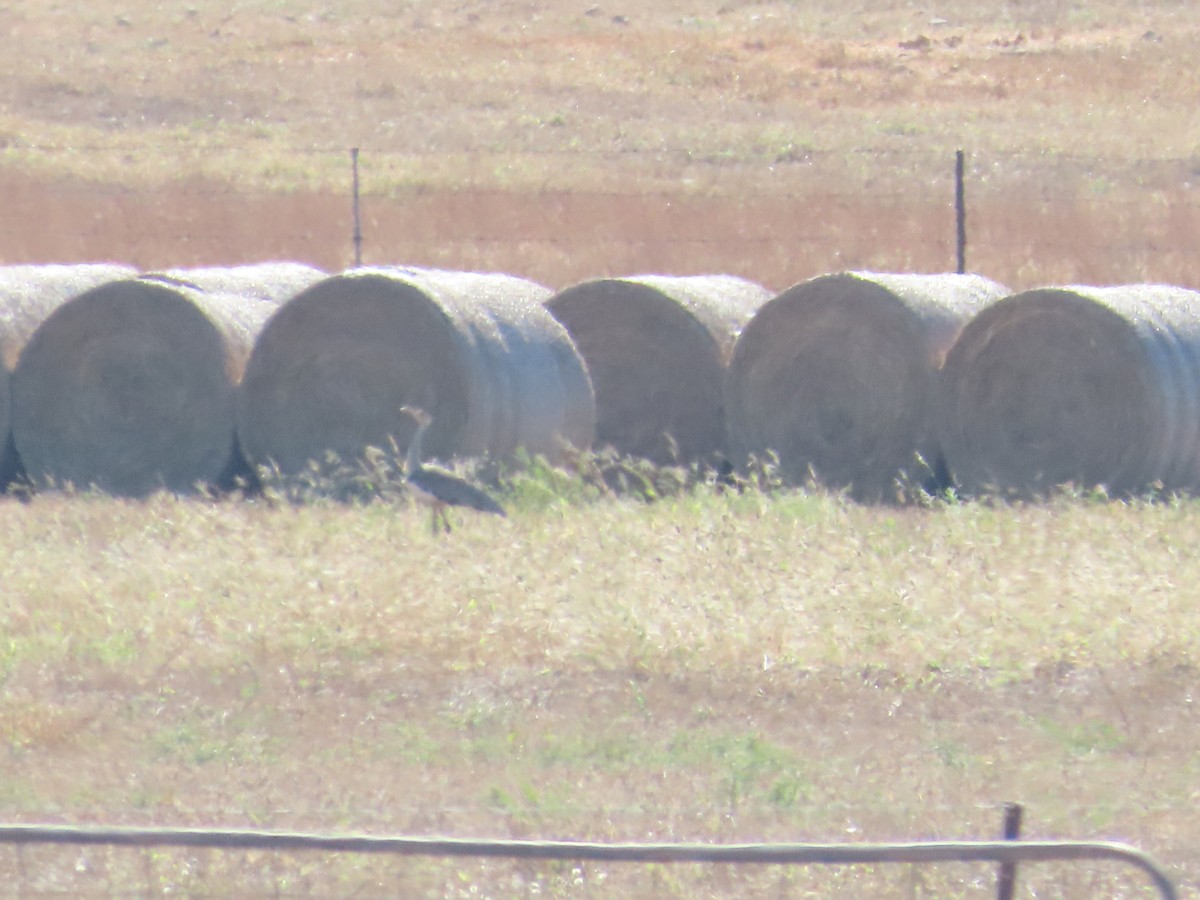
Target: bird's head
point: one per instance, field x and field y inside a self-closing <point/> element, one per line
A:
<point x="417" y="414"/>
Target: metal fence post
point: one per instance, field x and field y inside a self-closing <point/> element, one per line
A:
<point x="960" y="211"/>
<point x="1006" y="881"/>
<point x="357" y="218"/>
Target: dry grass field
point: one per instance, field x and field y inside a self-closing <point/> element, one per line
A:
<point x="564" y="140"/>
<point x="707" y="668"/>
<point x="710" y="667"/>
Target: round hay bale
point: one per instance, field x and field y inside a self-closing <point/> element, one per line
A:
<point x="272" y="282"/>
<point x="656" y="348"/>
<point x="836" y="375"/>
<point x="28" y="294"/>
<point x="1090" y="386"/>
<point x="477" y="351"/>
<point x="129" y="387"/>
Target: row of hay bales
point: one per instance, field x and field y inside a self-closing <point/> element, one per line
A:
<point x="182" y="378"/>
<point x="864" y="379"/>
<point x="179" y="379"/>
<point x="127" y="382"/>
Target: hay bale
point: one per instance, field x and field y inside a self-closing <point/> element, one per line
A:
<point x="836" y="375"/>
<point x="1083" y="385"/>
<point x="478" y="351"/>
<point x="656" y="348"/>
<point x="129" y="387"/>
<point x="272" y="282"/>
<point x="28" y="294"/>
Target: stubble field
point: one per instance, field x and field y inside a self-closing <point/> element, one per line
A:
<point x="783" y="666"/>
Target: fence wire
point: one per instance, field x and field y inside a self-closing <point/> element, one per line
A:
<point x="1030" y="220"/>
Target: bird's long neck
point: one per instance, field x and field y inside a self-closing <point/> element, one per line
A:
<point x="412" y="464"/>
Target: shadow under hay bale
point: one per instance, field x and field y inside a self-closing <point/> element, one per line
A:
<point x="477" y="351"/>
<point x="836" y="376"/>
<point x="656" y="348"/>
<point x="1088" y="386"/>
<point x="129" y="386"/>
<point x="28" y="295"/>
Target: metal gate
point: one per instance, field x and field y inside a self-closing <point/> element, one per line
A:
<point x="1008" y="852"/>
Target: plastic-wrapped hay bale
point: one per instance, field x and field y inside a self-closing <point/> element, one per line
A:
<point x="477" y="351"/>
<point x="28" y="294"/>
<point x="836" y="375"/>
<point x="656" y="348"/>
<point x="273" y="282"/>
<point x="129" y="387"/>
<point x="1088" y="386"/>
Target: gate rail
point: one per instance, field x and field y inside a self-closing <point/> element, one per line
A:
<point x="1007" y="852"/>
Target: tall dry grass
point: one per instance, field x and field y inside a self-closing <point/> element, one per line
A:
<point x="1022" y="233"/>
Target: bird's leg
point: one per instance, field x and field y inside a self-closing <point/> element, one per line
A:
<point x="445" y="520"/>
<point x="433" y="519"/>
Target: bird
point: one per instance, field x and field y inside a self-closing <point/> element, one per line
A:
<point x="435" y="487"/>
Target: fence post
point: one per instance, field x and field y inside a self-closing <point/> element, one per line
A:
<point x="357" y="218"/>
<point x="1006" y="881"/>
<point x="960" y="211"/>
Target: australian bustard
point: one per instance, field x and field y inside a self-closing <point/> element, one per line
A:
<point x="435" y="487"/>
